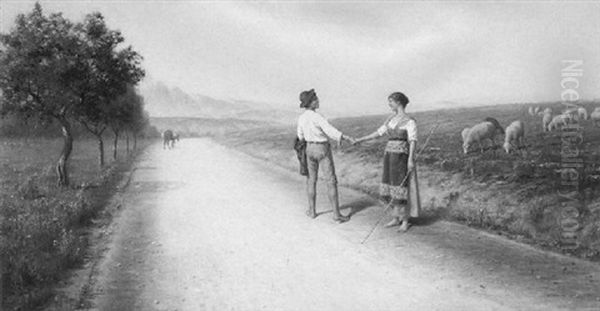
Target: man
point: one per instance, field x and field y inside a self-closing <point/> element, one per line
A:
<point x="315" y="129"/>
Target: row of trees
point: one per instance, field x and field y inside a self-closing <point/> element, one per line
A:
<point x="56" y="70"/>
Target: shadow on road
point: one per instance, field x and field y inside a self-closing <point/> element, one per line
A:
<point x="355" y="206"/>
<point x="426" y="220"/>
<point x="359" y="205"/>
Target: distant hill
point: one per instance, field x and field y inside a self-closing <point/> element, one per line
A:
<point x="170" y="102"/>
<point x="194" y="127"/>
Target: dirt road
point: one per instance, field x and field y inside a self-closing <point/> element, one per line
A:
<point x="208" y="228"/>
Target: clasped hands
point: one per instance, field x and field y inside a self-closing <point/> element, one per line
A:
<point x="351" y="140"/>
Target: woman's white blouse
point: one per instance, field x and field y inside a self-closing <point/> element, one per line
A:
<point x="410" y="126"/>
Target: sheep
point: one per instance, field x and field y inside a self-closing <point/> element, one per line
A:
<point x="464" y="133"/>
<point x="547" y="111"/>
<point x="571" y="115"/>
<point x="531" y="112"/>
<point x="478" y="133"/>
<point x="595" y="116"/>
<point x="536" y="110"/>
<point x="582" y="113"/>
<point x="495" y="123"/>
<point x="546" y="119"/>
<point x="557" y="121"/>
<point x="514" y="135"/>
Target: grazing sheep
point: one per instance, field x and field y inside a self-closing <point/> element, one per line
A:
<point x="558" y="121"/>
<point x="479" y="133"/>
<point x="514" y="136"/>
<point x="547" y="111"/>
<point x="595" y="116"/>
<point x="495" y="123"/>
<point x="546" y="119"/>
<point x="571" y="115"/>
<point x="464" y="133"/>
<point x="572" y="110"/>
<point x="582" y="113"/>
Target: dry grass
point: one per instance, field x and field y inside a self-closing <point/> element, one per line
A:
<point x="512" y="194"/>
<point x="43" y="227"/>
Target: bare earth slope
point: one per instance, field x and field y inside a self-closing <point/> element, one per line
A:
<point x="208" y="228"/>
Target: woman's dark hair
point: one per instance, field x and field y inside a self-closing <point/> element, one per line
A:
<point x="399" y="98"/>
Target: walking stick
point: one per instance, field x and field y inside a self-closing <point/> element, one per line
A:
<point x="403" y="180"/>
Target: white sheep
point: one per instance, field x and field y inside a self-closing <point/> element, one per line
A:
<point x="464" y="133"/>
<point x="514" y="136"/>
<point x="571" y="115"/>
<point x="595" y="116"/>
<point x="530" y="110"/>
<point x="557" y="121"/>
<point x="478" y="133"/>
<point x="546" y="111"/>
<point x="546" y="119"/>
<point x="536" y="110"/>
<point x="582" y="113"/>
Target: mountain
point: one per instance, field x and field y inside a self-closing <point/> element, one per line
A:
<point x="164" y="101"/>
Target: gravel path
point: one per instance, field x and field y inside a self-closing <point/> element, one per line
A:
<point x="208" y="228"/>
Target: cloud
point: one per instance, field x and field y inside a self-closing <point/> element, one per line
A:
<point x="356" y="53"/>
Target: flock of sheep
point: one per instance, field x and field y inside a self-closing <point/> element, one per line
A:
<point x="515" y="132"/>
<point x="572" y="115"/>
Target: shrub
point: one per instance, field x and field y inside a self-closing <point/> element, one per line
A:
<point x="39" y="236"/>
<point x="523" y="170"/>
<point x="29" y="190"/>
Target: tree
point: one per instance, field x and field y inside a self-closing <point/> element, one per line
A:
<point x="106" y="73"/>
<point x="136" y="119"/>
<point x="38" y="59"/>
<point x="139" y="119"/>
<point x="140" y="125"/>
<point x="123" y="113"/>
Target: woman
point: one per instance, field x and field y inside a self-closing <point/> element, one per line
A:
<point x="316" y="131"/>
<point x="399" y="184"/>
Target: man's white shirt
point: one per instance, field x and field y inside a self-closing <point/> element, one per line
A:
<point x="313" y="127"/>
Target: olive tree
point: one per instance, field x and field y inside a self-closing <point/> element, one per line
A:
<point x="140" y="120"/>
<point x="106" y="73"/>
<point x="125" y="110"/>
<point x="38" y="58"/>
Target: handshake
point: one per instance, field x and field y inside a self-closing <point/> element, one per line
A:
<point x="352" y="140"/>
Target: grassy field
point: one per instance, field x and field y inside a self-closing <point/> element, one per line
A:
<point x="515" y="195"/>
<point x="42" y="226"/>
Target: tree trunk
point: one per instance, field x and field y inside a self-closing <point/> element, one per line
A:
<point x="115" y="144"/>
<point x="61" y="166"/>
<point x="134" y="141"/>
<point x="100" y="148"/>
<point x="127" y="141"/>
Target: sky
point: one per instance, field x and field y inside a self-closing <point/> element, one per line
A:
<point x="355" y="53"/>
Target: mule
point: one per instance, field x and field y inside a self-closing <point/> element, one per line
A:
<point x="169" y="138"/>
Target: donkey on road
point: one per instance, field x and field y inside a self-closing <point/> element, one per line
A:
<point x="169" y="138"/>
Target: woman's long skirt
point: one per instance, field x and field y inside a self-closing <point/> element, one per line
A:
<point x="394" y="185"/>
<point x="395" y="189"/>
